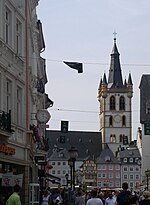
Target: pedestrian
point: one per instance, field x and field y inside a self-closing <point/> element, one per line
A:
<point x="110" y="200"/>
<point x="94" y="199"/>
<point x="146" y="200"/>
<point x="46" y="199"/>
<point x="80" y="198"/>
<point x="123" y="198"/>
<point x="14" y="197"/>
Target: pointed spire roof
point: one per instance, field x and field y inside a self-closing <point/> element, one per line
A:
<point x="130" y="79"/>
<point x="115" y="75"/>
<point x="104" y="79"/>
<point x="100" y="83"/>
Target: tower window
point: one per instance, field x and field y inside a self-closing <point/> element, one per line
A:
<point x="112" y="138"/>
<point x="112" y="103"/>
<point x="110" y="121"/>
<point x="122" y="103"/>
<point x="123" y="120"/>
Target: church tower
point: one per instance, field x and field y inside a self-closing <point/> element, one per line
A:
<point x="115" y="98"/>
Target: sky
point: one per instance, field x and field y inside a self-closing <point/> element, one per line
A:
<point x="82" y="31"/>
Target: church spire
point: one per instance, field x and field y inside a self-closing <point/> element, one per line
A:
<point x="115" y="75"/>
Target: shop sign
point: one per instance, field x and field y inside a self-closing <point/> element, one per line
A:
<point x="6" y="149"/>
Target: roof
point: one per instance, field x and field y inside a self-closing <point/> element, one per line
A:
<point x="87" y="143"/>
<point x="115" y="75"/>
<point x="130" y="152"/>
<point x="106" y="152"/>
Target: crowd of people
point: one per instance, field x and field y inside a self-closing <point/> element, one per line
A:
<point x="98" y="197"/>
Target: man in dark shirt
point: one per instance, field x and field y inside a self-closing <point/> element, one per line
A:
<point x="123" y="198"/>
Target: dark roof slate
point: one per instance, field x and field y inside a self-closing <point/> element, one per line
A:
<point x="87" y="143"/>
<point x="107" y="152"/>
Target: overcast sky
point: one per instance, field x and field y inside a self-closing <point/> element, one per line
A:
<point x="82" y="31"/>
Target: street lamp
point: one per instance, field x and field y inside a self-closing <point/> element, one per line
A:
<point x="73" y="152"/>
<point x="67" y="176"/>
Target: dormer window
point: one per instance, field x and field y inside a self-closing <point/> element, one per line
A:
<point x="131" y="160"/>
<point x="125" y="160"/>
<point x="107" y="159"/>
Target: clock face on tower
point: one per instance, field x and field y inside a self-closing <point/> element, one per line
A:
<point x="117" y="118"/>
<point x="43" y="116"/>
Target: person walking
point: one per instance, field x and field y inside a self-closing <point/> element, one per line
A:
<point x="46" y="199"/>
<point x="146" y="200"/>
<point x="94" y="200"/>
<point x="80" y="198"/>
<point x="14" y="197"/>
<point x="110" y="200"/>
<point x="123" y="198"/>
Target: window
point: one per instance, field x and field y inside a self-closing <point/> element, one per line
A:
<point x="148" y="110"/>
<point x="107" y="159"/>
<point x="123" y="120"/>
<point x="110" y="121"/>
<point x="137" y="177"/>
<point x="58" y="163"/>
<point x="117" y="175"/>
<point x="125" y="160"/>
<point x="58" y="171"/>
<point x="8" y="26"/>
<point x="131" y="184"/>
<point x="131" y="160"/>
<point x="64" y="171"/>
<point x="125" y="169"/>
<point x="112" y="103"/>
<point x="131" y="176"/>
<point x="111" y="175"/>
<point x="131" y="169"/>
<point x="99" y="176"/>
<point x="53" y="171"/>
<point x="117" y="167"/>
<point x="122" y="103"/>
<point x="18" y="36"/>
<point x="125" y="176"/>
<point x="99" y="184"/>
<point x="19" y="106"/>
<point x="53" y="163"/>
<point x="113" y="138"/>
<point x="110" y="167"/>
<point x="8" y="95"/>
<point x="137" y="169"/>
<point x="103" y="175"/>
<point x="64" y="163"/>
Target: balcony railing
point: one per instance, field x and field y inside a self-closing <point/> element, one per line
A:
<point x="5" y="121"/>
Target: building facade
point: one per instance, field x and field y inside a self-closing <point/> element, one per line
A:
<point x="22" y="93"/>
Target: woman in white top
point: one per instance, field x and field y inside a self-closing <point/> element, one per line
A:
<point x="46" y="198"/>
<point x="94" y="200"/>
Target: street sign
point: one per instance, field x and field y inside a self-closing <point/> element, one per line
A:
<point x="147" y="128"/>
<point x="40" y="157"/>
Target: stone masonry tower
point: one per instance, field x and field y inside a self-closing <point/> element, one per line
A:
<point x="115" y="98"/>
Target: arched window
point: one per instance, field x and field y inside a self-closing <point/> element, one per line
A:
<point x="112" y="103"/>
<point x="122" y="103"/>
<point x="123" y="120"/>
<point x="112" y="138"/>
<point x="110" y="121"/>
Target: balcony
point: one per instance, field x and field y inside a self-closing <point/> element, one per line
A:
<point x="5" y="123"/>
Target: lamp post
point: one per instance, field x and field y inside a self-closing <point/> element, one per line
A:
<point x="66" y="176"/>
<point x="73" y="152"/>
